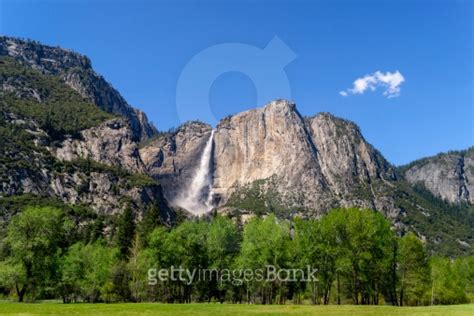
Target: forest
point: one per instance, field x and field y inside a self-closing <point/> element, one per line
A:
<point x="357" y="256"/>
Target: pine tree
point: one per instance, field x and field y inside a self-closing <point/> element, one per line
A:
<point x="151" y="220"/>
<point x="125" y="232"/>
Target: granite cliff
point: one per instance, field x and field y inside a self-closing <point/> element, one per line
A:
<point x="306" y="164"/>
<point x="66" y="134"/>
<point x="449" y="176"/>
<point x="274" y="160"/>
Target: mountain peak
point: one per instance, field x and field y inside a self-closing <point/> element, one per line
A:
<point x="76" y="71"/>
<point x="281" y="104"/>
<point x="309" y="163"/>
<point x="42" y="57"/>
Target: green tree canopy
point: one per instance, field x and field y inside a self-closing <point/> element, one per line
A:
<point x="34" y="237"/>
<point x="414" y="271"/>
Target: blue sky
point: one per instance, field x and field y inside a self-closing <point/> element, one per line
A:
<point x="143" y="47"/>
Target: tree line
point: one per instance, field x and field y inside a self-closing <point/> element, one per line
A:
<point x="356" y="255"/>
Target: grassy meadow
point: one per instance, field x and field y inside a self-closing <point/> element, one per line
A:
<point x="56" y="308"/>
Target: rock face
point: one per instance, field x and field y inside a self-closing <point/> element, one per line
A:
<point x="272" y="144"/>
<point x="76" y="71"/>
<point x="56" y="145"/>
<point x="303" y="163"/>
<point x="43" y="170"/>
<point x="344" y="154"/>
<point x="111" y="142"/>
<point x="449" y="176"/>
<point x="173" y="157"/>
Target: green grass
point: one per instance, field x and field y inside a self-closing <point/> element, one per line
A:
<point x="225" y="309"/>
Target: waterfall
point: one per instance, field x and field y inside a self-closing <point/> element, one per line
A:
<point x="197" y="197"/>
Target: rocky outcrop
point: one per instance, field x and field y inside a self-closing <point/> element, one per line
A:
<point x="102" y="191"/>
<point x="111" y="143"/>
<point x="273" y="144"/>
<point x="107" y="183"/>
<point x="173" y="157"/>
<point x="448" y="175"/>
<point x="306" y="164"/>
<point x="76" y="71"/>
<point x="344" y="154"/>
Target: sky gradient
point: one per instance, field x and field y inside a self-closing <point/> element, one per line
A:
<point x="144" y="48"/>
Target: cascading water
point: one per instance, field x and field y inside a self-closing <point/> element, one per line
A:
<point x="197" y="198"/>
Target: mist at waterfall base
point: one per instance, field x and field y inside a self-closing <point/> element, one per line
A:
<point x="197" y="196"/>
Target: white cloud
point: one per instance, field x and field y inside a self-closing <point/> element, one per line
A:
<point x="389" y="81"/>
<point x="343" y="93"/>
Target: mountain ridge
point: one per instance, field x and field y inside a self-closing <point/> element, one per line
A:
<point x="272" y="159"/>
<point x="265" y="160"/>
<point x="77" y="72"/>
<point x="449" y="175"/>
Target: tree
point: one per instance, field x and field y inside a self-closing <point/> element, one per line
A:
<point x="465" y="268"/>
<point x="309" y="248"/>
<point x="73" y="269"/>
<point x="265" y="243"/>
<point x="12" y="276"/>
<point x="364" y="243"/>
<point x="223" y="241"/>
<point x="158" y="257"/>
<point x="357" y="255"/>
<point x="118" y="287"/>
<point x="125" y="233"/>
<point x="183" y="247"/>
<point x="414" y="271"/>
<point x="34" y="236"/>
<point x="151" y="220"/>
<point x="141" y="260"/>
<point x="448" y="285"/>
<point x="156" y="245"/>
<point x="85" y="270"/>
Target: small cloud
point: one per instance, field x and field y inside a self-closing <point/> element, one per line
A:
<point x="389" y="81"/>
